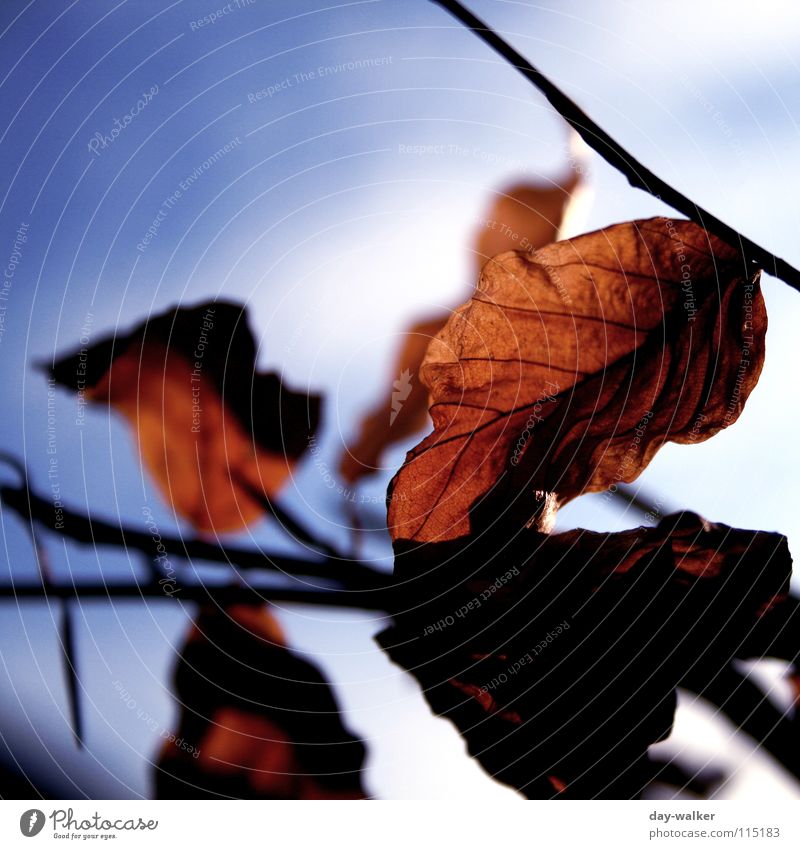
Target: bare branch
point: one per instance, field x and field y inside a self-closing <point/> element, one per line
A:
<point x="637" y="175"/>
<point x="352" y="575"/>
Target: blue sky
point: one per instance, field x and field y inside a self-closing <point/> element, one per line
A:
<point x="319" y="217"/>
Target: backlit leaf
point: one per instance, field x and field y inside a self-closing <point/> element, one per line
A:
<point x="571" y="366"/>
<point x="525" y="216"/>
<point x="216" y="435"/>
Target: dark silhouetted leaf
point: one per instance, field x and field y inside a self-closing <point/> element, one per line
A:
<point x="557" y="656"/>
<point x="216" y="434"/>
<point x="256" y="721"/>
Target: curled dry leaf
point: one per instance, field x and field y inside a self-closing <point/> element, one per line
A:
<point x="256" y="721"/>
<point x="525" y="216"/>
<point x="557" y="656"/>
<point x="216" y="435"/>
<point x="572" y="365"/>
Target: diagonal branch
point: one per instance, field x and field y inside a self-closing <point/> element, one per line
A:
<point x="637" y="174"/>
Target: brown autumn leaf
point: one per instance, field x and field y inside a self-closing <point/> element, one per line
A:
<point x="571" y="366"/>
<point x="216" y="435"/>
<point x="557" y="656"/>
<point x="525" y="216"/>
<point x="256" y="721"/>
<point x="401" y="414"/>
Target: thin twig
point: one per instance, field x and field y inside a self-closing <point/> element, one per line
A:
<point x="65" y="629"/>
<point x="639" y="501"/>
<point x="637" y="174"/>
<point x="289" y="524"/>
<point x="71" y="670"/>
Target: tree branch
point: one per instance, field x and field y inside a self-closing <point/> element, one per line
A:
<point x="352" y="575"/>
<point x="223" y="596"/>
<point x="637" y="174"/>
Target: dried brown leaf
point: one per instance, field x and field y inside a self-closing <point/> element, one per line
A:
<point x="571" y="366"/>
<point x="525" y="216"/>
<point x="401" y="414"/>
<point x="256" y="721"/>
<point x="214" y="433"/>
